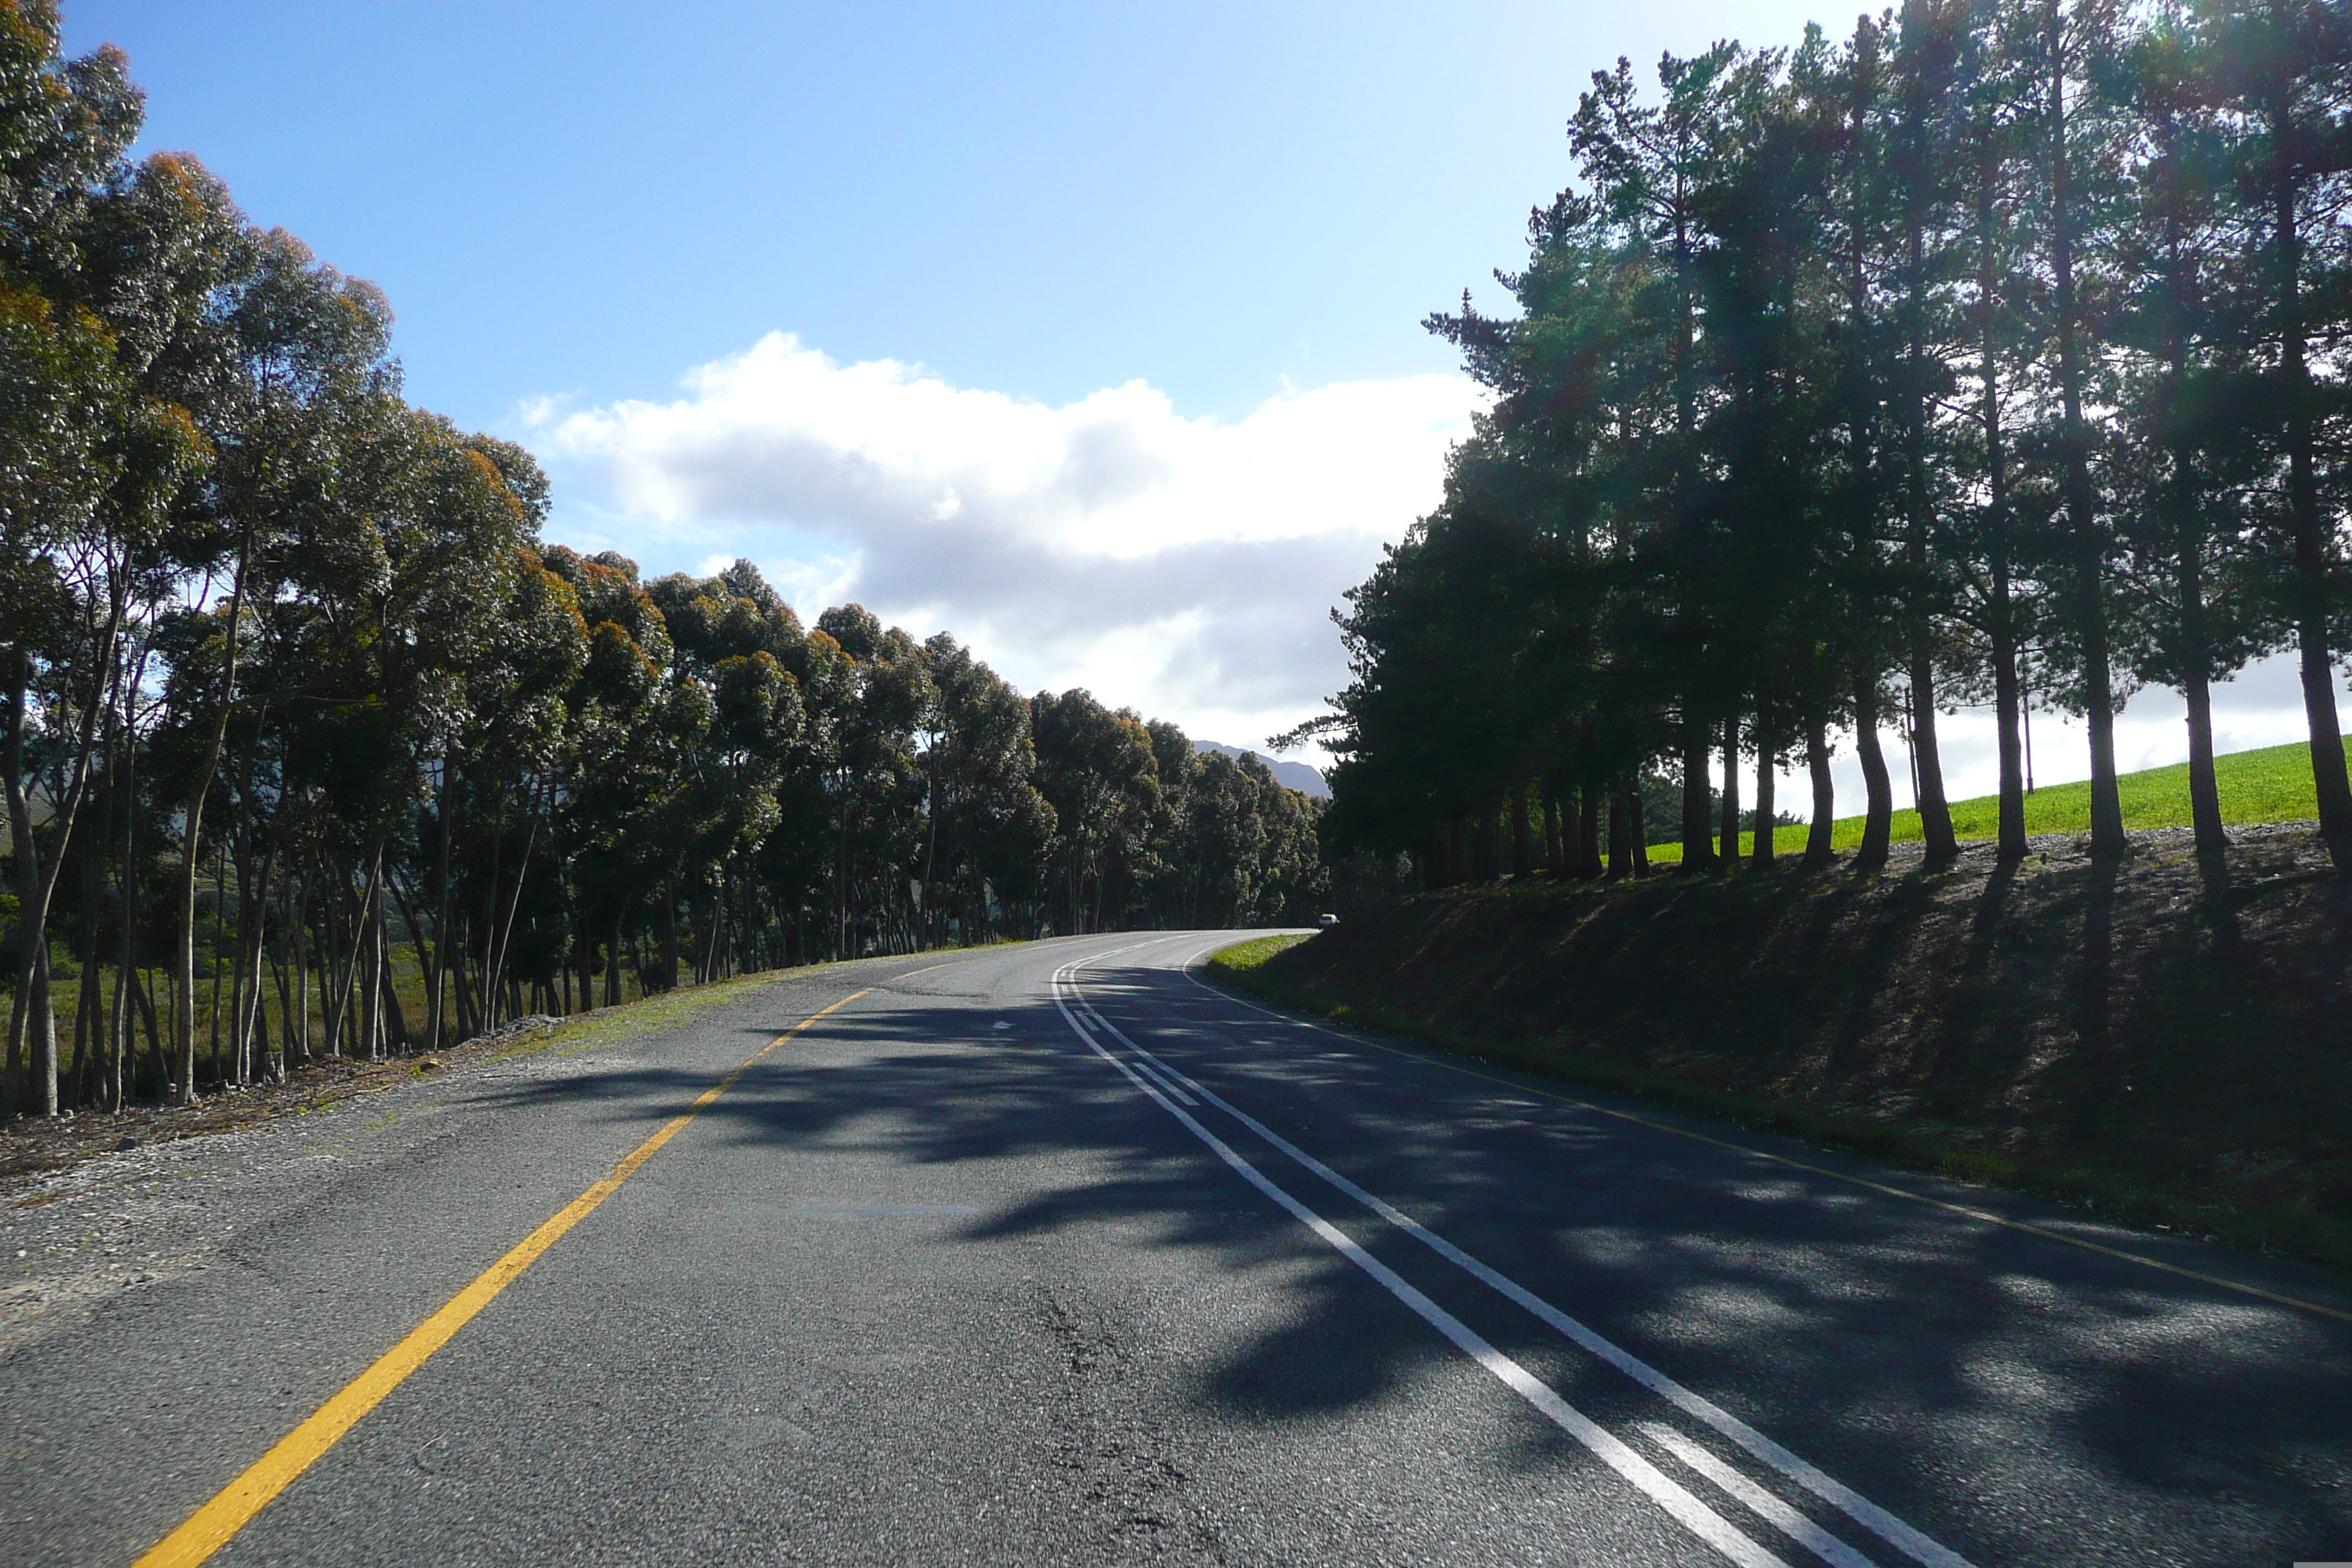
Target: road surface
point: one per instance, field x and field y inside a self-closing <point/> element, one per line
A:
<point x="1054" y="1253"/>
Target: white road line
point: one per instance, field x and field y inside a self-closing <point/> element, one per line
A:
<point x="1920" y="1546"/>
<point x="1786" y="1520"/>
<point x="1667" y="1493"/>
<point x="1181" y="1098"/>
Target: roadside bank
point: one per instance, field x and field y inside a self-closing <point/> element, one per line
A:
<point x="2118" y="1036"/>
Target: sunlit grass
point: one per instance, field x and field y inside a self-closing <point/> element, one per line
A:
<point x="1243" y="956"/>
<point x="2274" y="784"/>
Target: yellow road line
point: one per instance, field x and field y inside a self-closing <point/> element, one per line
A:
<point x="210" y="1527"/>
<point x="1988" y="1217"/>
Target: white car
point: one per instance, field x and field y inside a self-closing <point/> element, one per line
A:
<point x="1327" y="922"/>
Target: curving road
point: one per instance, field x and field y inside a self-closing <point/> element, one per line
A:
<point x="1052" y="1254"/>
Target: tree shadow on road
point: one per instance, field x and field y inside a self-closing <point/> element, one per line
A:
<point x="1936" y="1362"/>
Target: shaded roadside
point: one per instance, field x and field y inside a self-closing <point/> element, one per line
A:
<point x="2125" y="1036"/>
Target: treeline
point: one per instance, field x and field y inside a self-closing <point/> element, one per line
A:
<point x="1993" y="356"/>
<point x="313" y="747"/>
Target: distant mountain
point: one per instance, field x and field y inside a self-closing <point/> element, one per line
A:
<point x="1297" y="775"/>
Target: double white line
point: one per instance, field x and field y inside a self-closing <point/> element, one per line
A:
<point x="1179" y="1095"/>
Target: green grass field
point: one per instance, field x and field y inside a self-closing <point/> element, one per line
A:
<point x="2274" y="784"/>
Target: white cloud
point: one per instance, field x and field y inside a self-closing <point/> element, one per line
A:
<point x="1184" y="565"/>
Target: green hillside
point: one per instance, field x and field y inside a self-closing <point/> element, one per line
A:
<point x="2273" y="784"/>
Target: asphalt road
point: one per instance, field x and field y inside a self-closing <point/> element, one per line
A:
<point x="1051" y="1254"/>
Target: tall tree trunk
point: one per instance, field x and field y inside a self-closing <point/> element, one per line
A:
<point x="1935" y="812"/>
<point x="220" y="930"/>
<point x="156" y="1060"/>
<point x="91" y="1044"/>
<point x="612" y="958"/>
<point x="347" y="983"/>
<point x="1819" y="849"/>
<point x="25" y="856"/>
<point x="396" y="1029"/>
<point x="1698" y="829"/>
<point x="2204" y="792"/>
<point x="2007" y="704"/>
<point x="1523" y="860"/>
<point x="2185" y="495"/>
<point x="2001" y="631"/>
<point x="35" y="1014"/>
<point x="373" y="965"/>
<point x="1622" y="833"/>
<point x="505" y="936"/>
<point x="1934" y="815"/>
<point x="1878" y="790"/>
<point x="1765" y="784"/>
<point x="42" y="1019"/>
<point x="119" y="1036"/>
<point x="437" y="961"/>
<point x="125" y="982"/>
<point x="183" y="1087"/>
<point x="298" y="927"/>
<point x="2312" y="566"/>
<point x="2090" y="593"/>
<point x="1554" y="851"/>
<point x="1730" y="821"/>
<point x="1588" y="832"/>
<point x="669" y="932"/>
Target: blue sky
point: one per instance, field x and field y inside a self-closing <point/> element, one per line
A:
<point x="1039" y="199"/>
<point x="1090" y="333"/>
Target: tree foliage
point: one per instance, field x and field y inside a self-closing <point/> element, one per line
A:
<point x="316" y="746"/>
<point x="1992" y="354"/>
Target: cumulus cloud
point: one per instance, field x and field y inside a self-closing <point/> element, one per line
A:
<point x="1184" y="565"/>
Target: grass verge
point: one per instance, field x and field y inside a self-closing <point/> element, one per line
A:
<point x="32" y="1148"/>
<point x="2292" y="1228"/>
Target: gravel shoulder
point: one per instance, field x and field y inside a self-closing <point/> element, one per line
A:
<point x="94" y="1205"/>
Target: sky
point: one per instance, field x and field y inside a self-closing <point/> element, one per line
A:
<point x="1090" y="333"/>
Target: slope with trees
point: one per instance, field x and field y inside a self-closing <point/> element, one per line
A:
<point x="315" y="746"/>
<point x="1989" y="355"/>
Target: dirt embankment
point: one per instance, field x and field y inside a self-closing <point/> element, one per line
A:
<point x="2121" y="1033"/>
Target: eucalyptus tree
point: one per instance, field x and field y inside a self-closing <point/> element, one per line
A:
<point x="493" y="641"/>
<point x="1095" y="767"/>
<point x="262" y="619"/>
<point x="877" y="779"/>
<point x="634" y="729"/>
<point x="91" y="456"/>
<point x="987" y="829"/>
<point x="295" y="358"/>
<point x="732" y="632"/>
<point x="69" y="553"/>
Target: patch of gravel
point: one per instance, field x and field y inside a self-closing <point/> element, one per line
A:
<point x="94" y="1205"/>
